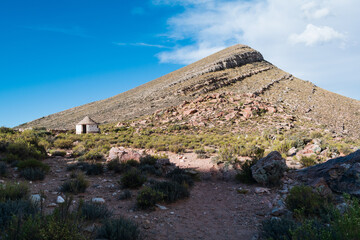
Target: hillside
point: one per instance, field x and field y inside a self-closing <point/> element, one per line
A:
<point x="237" y="70"/>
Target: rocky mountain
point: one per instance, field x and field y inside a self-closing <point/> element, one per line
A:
<point x="235" y="72"/>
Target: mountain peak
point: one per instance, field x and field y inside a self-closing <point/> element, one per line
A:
<point x="238" y="69"/>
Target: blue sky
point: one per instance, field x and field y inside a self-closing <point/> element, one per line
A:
<point x="60" y="54"/>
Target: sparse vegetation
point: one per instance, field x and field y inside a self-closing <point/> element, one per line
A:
<point x="133" y="178"/>
<point x="76" y="185"/>
<point x="244" y="175"/>
<point x="94" y="211"/>
<point x="308" y="161"/>
<point x="121" y="228"/>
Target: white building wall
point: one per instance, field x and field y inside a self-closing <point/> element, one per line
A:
<point x="78" y="129"/>
<point x="92" y="129"/>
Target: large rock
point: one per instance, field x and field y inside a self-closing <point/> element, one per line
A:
<point x="342" y="175"/>
<point x="123" y="154"/>
<point x="270" y="169"/>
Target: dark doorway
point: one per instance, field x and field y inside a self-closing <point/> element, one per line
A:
<point x="84" y="128"/>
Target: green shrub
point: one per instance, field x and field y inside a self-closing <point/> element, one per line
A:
<point x="314" y="229"/>
<point x="62" y="224"/>
<point x="33" y="174"/>
<point x="277" y="229"/>
<point x="308" y="161"/>
<point x="77" y="185"/>
<point x="94" y="211"/>
<point x="63" y="143"/>
<point x="347" y="225"/>
<point x="148" y="160"/>
<point x="180" y="176"/>
<point x="19" y="208"/>
<point x="22" y="150"/>
<point x="3" y="169"/>
<point x="126" y="194"/>
<point x="83" y="166"/>
<point x="148" y="197"/>
<point x="33" y="163"/>
<point x="94" y="155"/>
<point x="95" y="169"/>
<point x="304" y="201"/>
<point x="171" y="191"/>
<point x="131" y="163"/>
<point x="13" y="191"/>
<point x="121" y="228"/>
<point x="244" y="175"/>
<point x="133" y="178"/>
<point x="59" y="153"/>
<point x="150" y="169"/>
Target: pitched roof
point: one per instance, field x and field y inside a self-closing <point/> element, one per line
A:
<point x="87" y="121"/>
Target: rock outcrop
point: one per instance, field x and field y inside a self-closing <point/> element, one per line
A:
<point x="270" y="169"/>
<point x="123" y="154"/>
<point x="341" y="175"/>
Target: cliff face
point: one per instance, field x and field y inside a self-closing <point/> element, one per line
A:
<point x="238" y="69"/>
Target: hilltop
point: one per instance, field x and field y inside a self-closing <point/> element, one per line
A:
<point x="238" y="71"/>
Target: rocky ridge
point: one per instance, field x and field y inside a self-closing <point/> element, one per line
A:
<point x="237" y="69"/>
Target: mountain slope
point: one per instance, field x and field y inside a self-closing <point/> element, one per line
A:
<point x="237" y="69"/>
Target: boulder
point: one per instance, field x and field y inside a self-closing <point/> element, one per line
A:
<point x="270" y="169"/>
<point x="341" y="175"/>
<point x="98" y="200"/>
<point x="123" y="154"/>
<point x="60" y="200"/>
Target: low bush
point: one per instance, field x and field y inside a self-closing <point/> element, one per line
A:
<point x="95" y="169"/>
<point x="77" y="185"/>
<point x="114" y="165"/>
<point x="3" y="169"/>
<point x="148" y="197"/>
<point x="133" y="178"/>
<point x="180" y="176"/>
<point x="171" y="191"/>
<point x="150" y="169"/>
<point x="33" y="174"/>
<point x="308" y="161"/>
<point x="33" y="163"/>
<point x="19" y="208"/>
<point x="61" y="224"/>
<point x="305" y="201"/>
<point x="121" y="228"/>
<point x="63" y="143"/>
<point x="59" y="153"/>
<point x="83" y="166"/>
<point x="13" y="191"/>
<point x="244" y="175"/>
<point x="126" y="194"/>
<point x="148" y="160"/>
<point x="278" y="228"/>
<point x="94" y="211"/>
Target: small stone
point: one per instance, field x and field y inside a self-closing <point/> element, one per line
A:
<point x="2" y="181"/>
<point x="35" y="198"/>
<point x="60" y="200"/>
<point x="52" y="205"/>
<point x="161" y="207"/>
<point x="172" y="213"/>
<point x="98" y="200"/>
<point x="262" y="190"/>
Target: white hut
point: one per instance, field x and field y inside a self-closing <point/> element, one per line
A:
<point x="87" y="125"/>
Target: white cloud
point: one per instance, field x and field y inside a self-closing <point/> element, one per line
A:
<point x="313" y="10"/>
<point x="316" y="35"/>
<point x="321" y="28"/>
<point x="141" y="44"/>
